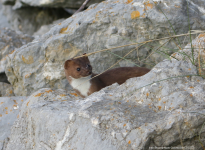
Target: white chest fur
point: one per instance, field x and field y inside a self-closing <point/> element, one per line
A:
<point x="81" y="84"/>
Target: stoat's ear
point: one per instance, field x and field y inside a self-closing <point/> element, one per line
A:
<point x="85" y="55"/>
<point x="67" y="64"/>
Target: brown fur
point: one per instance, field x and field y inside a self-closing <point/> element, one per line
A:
<point x="70" y="67"/>
<point x="119" y="75"/>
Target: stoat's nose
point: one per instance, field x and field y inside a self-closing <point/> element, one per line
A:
<point x="88" y="66"/>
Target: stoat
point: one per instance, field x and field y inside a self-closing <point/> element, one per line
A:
<point x="79" y="74"/>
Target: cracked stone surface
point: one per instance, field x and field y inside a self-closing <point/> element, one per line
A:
<point x="9" y="109"/>
<point x="3" y="22"/>
<point x="48" y="3"/>
<point x="164" y="108"/>
<point x="45" y="28"/>
<point x="9" y="41"/>
<point x="105" y="25"/>
<point x="29" y="19"/>
<point x="6" y="90"/>
<point x="194" y="53"/>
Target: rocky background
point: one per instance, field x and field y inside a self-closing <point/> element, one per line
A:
<point x="164" y="108"/>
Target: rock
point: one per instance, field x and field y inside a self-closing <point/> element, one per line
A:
<point x="29" y="19"/>
<point x="49" y="3"/>
<point x="45" y="28"/>
<point x="194" y="53"/>
<point x="9" y="109"/>
<point x="6" y="90"/>
<point x="3" y="21"/>
<point x="9" y="41"/>
<point x="3" y="78"/>
<point x="8" y="2"/>
<point x="102" y="26"/>
<point x="163" y="108"/>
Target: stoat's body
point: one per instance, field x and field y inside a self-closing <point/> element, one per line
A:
<point x="79" y="73"/>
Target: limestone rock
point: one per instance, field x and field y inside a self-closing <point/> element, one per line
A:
<point x="163" y="108"/>
<point x="194" y="53"/>
<point x="8" y="2"/>
<point x="9" y="41"/>
<point x="45" y="28"/>
<point x="3" y="78"/>
<point x="6" y="90"/>
<point x="29" y="19"/>
<point x="9" y="109"/>
<point x="48" y="3"/>
<point x="3" y="21"/>
<point x="102" y="26"/>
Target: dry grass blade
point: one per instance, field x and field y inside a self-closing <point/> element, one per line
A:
<point x="155" y="50"/>
<point x="170" y="37"/>
<point x="174" y="41"/>
<point x="82" y="7"/>
<point x="199" y="63"/>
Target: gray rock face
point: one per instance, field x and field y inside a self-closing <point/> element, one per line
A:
<point x="49" y="3"/>
<point x="29" y="20"/>
<point x="9" y="109"/>
<point x="143" y="112"/>
<point x="8" y="2"/>
<point x="3" y="21"/>
<point x="3" y="77"/>
<point x="194" y="53"/>
<point x="9" y="41"/>
<point x="6" y="90"/>
<point x="45" y="28"/>
<point x="104" y="25"/>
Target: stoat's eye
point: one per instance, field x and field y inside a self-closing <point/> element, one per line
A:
<point x="78" y="69"/>
<point x="88" y="65"/>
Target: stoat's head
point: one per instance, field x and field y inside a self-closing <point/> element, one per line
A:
<point x="78" y="68"/>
